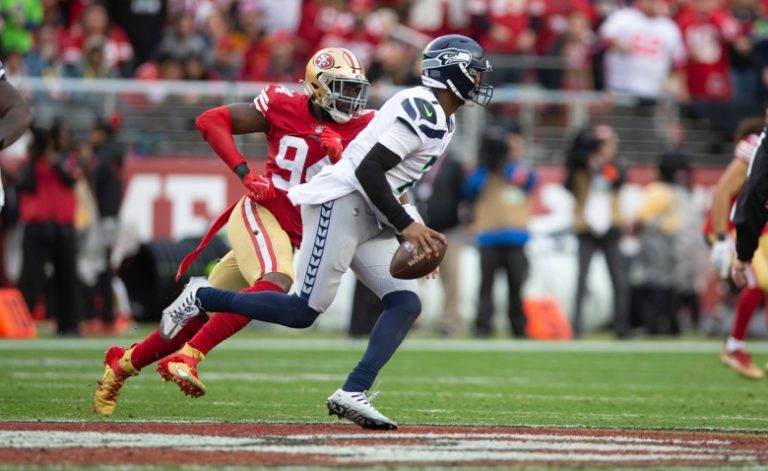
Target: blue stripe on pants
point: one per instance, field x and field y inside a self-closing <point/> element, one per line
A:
<point x="318" y="247"/>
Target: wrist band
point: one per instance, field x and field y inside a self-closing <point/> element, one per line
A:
<point x="241" y="170"/>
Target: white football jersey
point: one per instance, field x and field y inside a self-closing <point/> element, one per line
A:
<point x="656" y="44"/>
<point x="412" y="124"/>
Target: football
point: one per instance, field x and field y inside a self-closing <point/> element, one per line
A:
<point x="406" y="265"/>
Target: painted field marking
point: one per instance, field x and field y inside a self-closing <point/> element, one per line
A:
<point x="406" y="447"/>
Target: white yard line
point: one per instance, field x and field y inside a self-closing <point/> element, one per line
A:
<point x="416" y="344"/>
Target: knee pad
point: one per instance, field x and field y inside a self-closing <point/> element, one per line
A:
<point x="406" y="302"/>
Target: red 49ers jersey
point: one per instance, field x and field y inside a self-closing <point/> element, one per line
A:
<point x="293" y="148"/>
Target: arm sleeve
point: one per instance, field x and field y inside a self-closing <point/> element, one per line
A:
<point x="751" y="214"/>
<point x="371" y="173"/>
<point x="216" y="127"/>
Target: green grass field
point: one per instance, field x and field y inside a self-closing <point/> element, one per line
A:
<point x="268" y="377"/>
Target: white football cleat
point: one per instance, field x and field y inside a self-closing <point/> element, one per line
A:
<point x="356" y="407"/>
<point x="183" y="308"/>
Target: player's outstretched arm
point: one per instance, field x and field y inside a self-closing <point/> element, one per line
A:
<point x="218" y="125"/>
<point x="16" y="115"/>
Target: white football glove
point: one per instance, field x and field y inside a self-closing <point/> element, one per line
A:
<point x="720" y="258"/>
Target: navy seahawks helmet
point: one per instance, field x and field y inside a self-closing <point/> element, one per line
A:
<point x="454" y="62"/>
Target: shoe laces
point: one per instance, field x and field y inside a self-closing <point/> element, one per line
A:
<point x="114" y="389"/>
<point x="366" y="399"/>
<point x="184" y="312"/>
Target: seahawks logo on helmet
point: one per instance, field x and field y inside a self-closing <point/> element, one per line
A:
<point x="447" y="57"/>
<point x="456" y="63"/>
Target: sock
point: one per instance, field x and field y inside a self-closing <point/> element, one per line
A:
<point x="732" y="344"/>
<point x="154" y="347"/>
<point x="267" y="306"/>
<point x="401" y="309"/>
<point x="749" y="299"/>
<point x="224" y="325"/>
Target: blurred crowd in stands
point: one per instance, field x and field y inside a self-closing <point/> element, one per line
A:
<point x="717" y="49"/>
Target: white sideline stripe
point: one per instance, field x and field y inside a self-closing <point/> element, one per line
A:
<point x="710" y="347"/>
<point x="46" y="362"/>
<point x="310" y="419"/>
<point x="471" y="437"/>
<point x="440" y="447"/>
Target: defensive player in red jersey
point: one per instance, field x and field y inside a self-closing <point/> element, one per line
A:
<point x="719" y="232"/>
<point x="304" y="133"/>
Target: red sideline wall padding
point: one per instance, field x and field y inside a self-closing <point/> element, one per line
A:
<point x="172" y="198"/>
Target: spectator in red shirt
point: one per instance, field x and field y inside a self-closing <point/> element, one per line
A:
<point x="503" y="28"/>
<point x="551" y="20"/>
<point x="47" y="212"/>
<point x="94" y="22"/>
<point x="707" y="32"/>
<point x="357" y="30"/>
<point x="274" y="60"/>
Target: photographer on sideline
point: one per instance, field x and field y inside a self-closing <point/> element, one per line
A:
<point x="501" y="189"/>
<point x="47" y="211"/>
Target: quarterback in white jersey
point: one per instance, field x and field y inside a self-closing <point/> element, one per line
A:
<point x="343" y="208"/>
<point x="411" y="124"/>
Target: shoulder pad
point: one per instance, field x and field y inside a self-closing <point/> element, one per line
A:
<point x="423" y="116"/>
<point x="419" y="108"/>
<point x="271" y="95"/>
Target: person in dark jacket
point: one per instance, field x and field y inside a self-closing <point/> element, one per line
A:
<point x="107" y="185"/>
<point x="595" y="179"/>
<point x="47" y="212"/>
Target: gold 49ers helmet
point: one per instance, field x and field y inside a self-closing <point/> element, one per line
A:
<point x="336" y="80"/>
